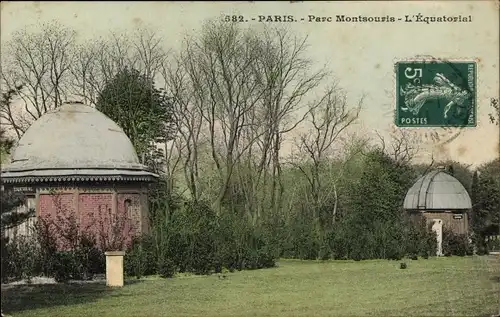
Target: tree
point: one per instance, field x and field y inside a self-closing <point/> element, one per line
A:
<point x="329" y="119"/>
<point x="237" y="93"/>
<point x="9" y="199"/>
<point x="98" y="60"/>
<point x="375" y="221"/>
<point x="485" y="216"/>
<point x="45" y="65"/>
<point x="403" y="145"/>
<point x="141" y="110"/>
<point x="6" y="143"/>
<point x="35" y="64"/>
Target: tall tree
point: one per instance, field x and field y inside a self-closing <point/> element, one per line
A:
<point x="141" y="110"/>
<point x="97" y="61"/>
<point x="8" y="199"/>
<point x="329" y="119"/>
<point x="376" y="211"/>
<point x="36" y="64"/>
<point x="486" y="200"/>
<point x="239" y="92"/>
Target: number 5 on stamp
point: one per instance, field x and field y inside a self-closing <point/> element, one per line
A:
<point x="436" y="94"/>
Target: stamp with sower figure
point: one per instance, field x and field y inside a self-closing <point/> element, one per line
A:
<point x="436" y="93"/>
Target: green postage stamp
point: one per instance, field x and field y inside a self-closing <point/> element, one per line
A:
<point x="436" y="93"/>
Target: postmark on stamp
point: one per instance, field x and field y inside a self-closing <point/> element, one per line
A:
<point x="436" y="93"/>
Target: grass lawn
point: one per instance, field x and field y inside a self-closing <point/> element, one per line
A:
<point x="455" y="286"/>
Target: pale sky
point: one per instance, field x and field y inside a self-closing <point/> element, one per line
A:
<point x="361" y="55"/>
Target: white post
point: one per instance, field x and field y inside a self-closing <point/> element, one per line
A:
<point x="437" y="227"/>
<point x="114" y="268"/>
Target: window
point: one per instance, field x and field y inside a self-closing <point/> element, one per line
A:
<point x="28" y="206"/>
<point x="30" y="203"/>
<point x="128" y="208"/>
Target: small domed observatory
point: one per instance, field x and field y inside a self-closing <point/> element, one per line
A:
<point x="442" y="200"/>
<point x="75" y="161"/>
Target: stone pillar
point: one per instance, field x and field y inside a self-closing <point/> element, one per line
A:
<point x="437" y="227"/>
<point x="114" y="268"/>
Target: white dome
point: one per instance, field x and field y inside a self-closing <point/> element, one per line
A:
<point x="437" y="190"/>
<point x="73" y="137"/>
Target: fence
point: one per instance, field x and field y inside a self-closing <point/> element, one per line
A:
<point x="23" y="229"/>
<point x="493" y="242"/>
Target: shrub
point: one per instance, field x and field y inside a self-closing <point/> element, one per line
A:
<point x="22" y="258"/>
<point x="166" y="267"/>
<point x="196" y="240"/>
<point x="140" y="259"/>
<point x="456" y="244"/>
<point x="89" y="259"/>
<point x="64" y="266"/>
<point x="48" y="246"/>
<point x="337" y="241"/>
<point x="36" y="254"/>
<point x="420" y="239"/>
<point x="266" y="258"/>
<point x="5" y="256"/>
<point x="493" y="243"/>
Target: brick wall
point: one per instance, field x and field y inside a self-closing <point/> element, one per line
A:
<point x="94" y="210"/>
<point x="129" y="206"/>
<point x="52" y="205"/>
<point x="103" y="214"/>
<point x="57" y="211"/>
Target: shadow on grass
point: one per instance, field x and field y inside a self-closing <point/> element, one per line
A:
<point x="17" y="298"/>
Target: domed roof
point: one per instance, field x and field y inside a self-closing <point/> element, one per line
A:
<point x="76" y="139"/>
<point x="437" y="190"/>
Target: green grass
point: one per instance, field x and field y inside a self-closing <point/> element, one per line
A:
<point x="455" y="286"/>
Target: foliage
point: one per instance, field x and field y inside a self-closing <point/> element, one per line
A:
<point x="227" y="198"/>
<point x="166" y="267"/>
<point x="141" y="110"/>
<point x="64" y="266"/>
<point x="21" y="259"/>
<point x="37" y="254"/>
<point x="421" y="240"/>
<point x="456" y="244"/>
<point x="493" y="243"/>
<point x="140" y="259"/>
<point x="374" y="227"/>
<point x="9" y="199"/>
<point x="196" y="240"/>
<point x="485" y="216"/>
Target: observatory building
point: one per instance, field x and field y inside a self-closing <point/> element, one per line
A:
<point x="75" y="162"/>
<point x="439" y="195"/>
<point x="442" y="200"/>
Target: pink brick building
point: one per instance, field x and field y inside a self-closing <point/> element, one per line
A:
<point x="75" y="165"/>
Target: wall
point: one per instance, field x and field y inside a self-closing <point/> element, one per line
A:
<point x="57" y="211"/>
<point x="95" y="211"/>
<point x="460" y="226"/>
<point x="112" y="216"/>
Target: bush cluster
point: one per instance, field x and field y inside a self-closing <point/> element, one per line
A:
<point x="351" y="241"/>
<point x="456" y="244"/>
<point x="196" y="240"/>
<point x="37" y="255"/>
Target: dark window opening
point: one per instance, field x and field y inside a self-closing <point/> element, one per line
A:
<point x="128" y="207"/>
